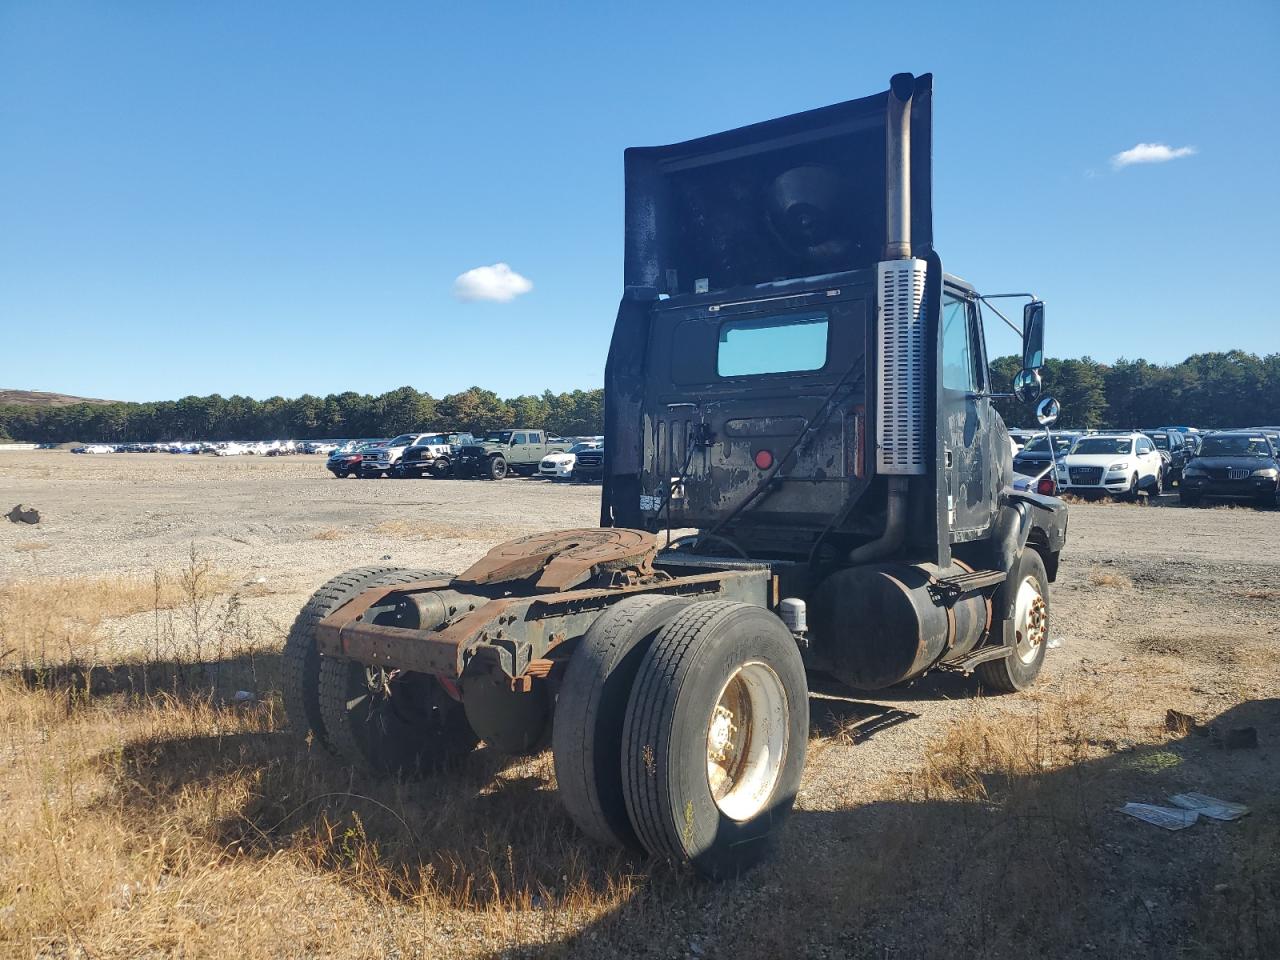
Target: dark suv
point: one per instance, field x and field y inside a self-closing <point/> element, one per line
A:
<point x="1241" y="465"/>
<point x="1034" y="459"/>
<point x="431" y="456"/>
<point x="1174" y="450"/>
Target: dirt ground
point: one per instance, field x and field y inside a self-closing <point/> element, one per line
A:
<point x="931" y="822"/>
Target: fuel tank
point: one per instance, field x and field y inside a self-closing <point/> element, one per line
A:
<point x="877" y="625"/>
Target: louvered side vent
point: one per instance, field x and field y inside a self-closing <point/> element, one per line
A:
<point x="900" y="325"/>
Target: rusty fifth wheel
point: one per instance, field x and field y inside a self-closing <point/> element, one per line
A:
<point x="714" y="737"/>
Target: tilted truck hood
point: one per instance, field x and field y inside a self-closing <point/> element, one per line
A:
<point x="799" y="196"/>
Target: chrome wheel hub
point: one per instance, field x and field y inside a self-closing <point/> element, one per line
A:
<point x="1031" y="620"/>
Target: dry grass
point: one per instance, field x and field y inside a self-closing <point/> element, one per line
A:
<point x="164" y="821"/>
<point x="58" y="619"/>
<point x="332" y="533"/>
<point x="30" y="546"/>
<point x="1099" y="577"/>
<point x="427" y="530"/>
<point x="1258" y="593"/>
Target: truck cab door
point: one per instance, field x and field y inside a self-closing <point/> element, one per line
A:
<point x="974" y="447"/>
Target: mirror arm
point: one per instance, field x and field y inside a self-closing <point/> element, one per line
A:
<point x="1006" y="320"/>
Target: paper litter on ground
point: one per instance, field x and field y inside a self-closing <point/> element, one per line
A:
<point x="1170" y="818"/>
<point x="1209" y="806"/>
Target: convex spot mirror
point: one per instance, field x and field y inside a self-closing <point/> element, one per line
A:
<point x="1047" y="411"/>
<point x="1033" y="335"/>
<point x="1027" y="385"/>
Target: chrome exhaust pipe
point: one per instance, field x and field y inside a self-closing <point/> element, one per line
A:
<point x="897" y="153"/>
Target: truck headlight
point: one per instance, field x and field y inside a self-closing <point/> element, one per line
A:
<point x="1269" y="472"/>
<point x="1122" y="465"/>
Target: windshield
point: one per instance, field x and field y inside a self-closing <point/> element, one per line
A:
<point x="1103" y="445"/>
<point x="580" y="447"/>
<point x="1239" y="445"/>
<point x="1161" y="440"/>
<point x="428" y="438"/>
<point x="499" y="436"/>
<point x="402" y="441"/>
<point x="1041" y="445"/>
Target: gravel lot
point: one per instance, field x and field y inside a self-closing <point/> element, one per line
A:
<point x="1193" y="591"/>
<point x="1156" y="608"/>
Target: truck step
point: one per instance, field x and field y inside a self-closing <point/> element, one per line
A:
<point x="950" y="589"/>
<point x="982" y="655"/>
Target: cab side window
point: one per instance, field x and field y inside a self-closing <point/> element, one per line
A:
<point x="961" y="351"/>
<point x="1144" y="445"/>
<point x="517" y="438"/>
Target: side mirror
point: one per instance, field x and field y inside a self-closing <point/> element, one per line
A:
<point x="1047" y="411"/>
<point x="1033" y="335"/>
<point x="1027" y="385"/>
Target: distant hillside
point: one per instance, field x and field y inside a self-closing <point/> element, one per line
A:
<point x="38" y="398"/>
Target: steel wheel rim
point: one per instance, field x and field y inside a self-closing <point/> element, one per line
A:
<point x="1031" y="620"/>
<point x="747" y="740"/>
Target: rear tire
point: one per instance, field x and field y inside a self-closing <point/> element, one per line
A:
<point x="720" y="697"/>
<point x="586" y="739"/>
<point x="392" y="724"/>
<point x="389" y="723"/>
<point x="1026" y="634"/>
<point x="300" y="668"/>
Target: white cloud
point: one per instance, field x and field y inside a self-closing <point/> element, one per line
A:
<point x="1149" y="153"/>
<point x="498" y="282"/>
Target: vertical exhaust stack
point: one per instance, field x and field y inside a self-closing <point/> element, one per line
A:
<point x="897" y="154"/>
<point x="902" y="386"/>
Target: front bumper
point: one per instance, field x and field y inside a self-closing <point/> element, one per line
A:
<point x="1107" y="484"/>
<point x="1250" y="488"/>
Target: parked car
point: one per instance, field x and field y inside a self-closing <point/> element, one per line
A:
<point x="1174" y="450"/>
<point x="345" y="460"/>
<point x="377" y="459"/>
<point x="1118" y="464"/>
<point x="431" y="456"/>
<point x="1033" y="459"/>
<point x="506" y="451"/>
<point x="588" y="467"/>
<point x="1242" y="465"/>
<point x="559" y="465"/>
<point x="1021" y="438"/>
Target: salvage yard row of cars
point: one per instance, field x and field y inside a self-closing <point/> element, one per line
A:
<point x="491" y="456"/>
<point x="1234" y="464"/>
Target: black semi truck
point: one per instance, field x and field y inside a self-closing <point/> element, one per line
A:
<point x="804" y="477"/>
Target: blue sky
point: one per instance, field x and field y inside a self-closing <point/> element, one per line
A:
<point x="276" y="198"/>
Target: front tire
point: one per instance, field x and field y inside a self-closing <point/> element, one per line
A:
<point x="1189" y="499"/>
<point x="496" y="468"/>
<point x="715" y="736"/>
<point x="1026" y="634"/>
<point x="440" y="468"/>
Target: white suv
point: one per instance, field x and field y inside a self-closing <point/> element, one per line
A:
<point x="1121" y="464"/>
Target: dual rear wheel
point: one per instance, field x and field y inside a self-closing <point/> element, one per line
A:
<point x="681" y="730"/>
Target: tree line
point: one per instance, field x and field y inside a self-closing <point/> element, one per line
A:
<point x="1231" y="389"/>
<point x="1205" y="390"/>
<point x="338" y="415"/>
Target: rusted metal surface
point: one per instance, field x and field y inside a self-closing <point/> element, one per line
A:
<point x="566" y="558"/>
<point x="510" y="633"/>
